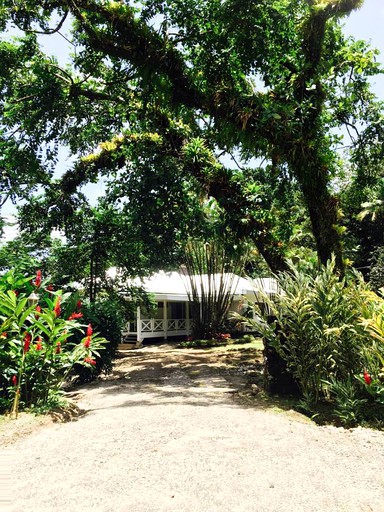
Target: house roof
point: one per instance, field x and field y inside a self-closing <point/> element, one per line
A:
<point x="174" y="286"/>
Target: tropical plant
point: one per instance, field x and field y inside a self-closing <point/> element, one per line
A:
<point x="36" y="350"/>
<point x="317" y="327"/>
<point x="348" y="401"/>
<point x="211" y="271"/>
<point x="107" y="317"/>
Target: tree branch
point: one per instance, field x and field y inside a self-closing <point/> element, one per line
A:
<point x="136" y="42"/>
<point x="46" y="32"/>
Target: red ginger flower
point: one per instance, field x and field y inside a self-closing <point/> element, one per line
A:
<point x="27" y="342"/>
<point x="74" y="316"/>
<point x="38" y="279"/>
<point x="57" y="308"/>
<point x="14" y="380"/>
<point x="90" y="361"/>
<point x="87" y="342"/>
<point x="89" y="330"/>
<point x="58" y="347"/>
<point x="4" y="335"/>
<point x="39" y="345"/>
<point x="367" y="377"/>
<point x="50" y="287"/>
<point x="78" y="305"/>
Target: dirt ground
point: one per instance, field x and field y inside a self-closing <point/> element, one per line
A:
<point x="186" y="430"/>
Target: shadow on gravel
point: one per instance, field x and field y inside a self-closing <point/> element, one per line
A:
<point x="166" y="375"/>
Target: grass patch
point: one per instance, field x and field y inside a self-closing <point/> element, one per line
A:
<point x="250" y="346"/>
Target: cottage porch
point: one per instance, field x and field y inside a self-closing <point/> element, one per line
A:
<point x="172" y="318"/>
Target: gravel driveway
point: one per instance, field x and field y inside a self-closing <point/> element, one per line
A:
<point x="167" y="433"/>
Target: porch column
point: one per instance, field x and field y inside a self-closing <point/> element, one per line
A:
<point x="138" y="322"/>
<point x="165" y="319"/>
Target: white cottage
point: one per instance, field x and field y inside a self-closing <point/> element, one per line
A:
<point x="172" y="317"/>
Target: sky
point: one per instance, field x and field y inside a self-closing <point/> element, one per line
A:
<point x="366" y="23"/>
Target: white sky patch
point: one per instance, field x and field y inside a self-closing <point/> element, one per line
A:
<point x="10" y="229"/>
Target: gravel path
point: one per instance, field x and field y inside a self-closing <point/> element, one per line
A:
<point x="168" y="434"/>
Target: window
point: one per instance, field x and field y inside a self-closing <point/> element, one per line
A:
<point x="176" y="310"/>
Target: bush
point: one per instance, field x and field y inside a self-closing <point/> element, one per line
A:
<point x="107" y="317"/>
<point x="327" y="331"/>
<point x="38" y="347"/>
<point x="376" y="272"/>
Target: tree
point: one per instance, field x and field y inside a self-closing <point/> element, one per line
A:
<point x="211" y="265"/>
<point x="171" y="85"/>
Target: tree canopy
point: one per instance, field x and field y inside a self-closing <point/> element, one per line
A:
<point x="157" y="92"/>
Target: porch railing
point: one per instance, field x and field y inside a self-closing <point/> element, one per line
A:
<point x="151" y="326"/>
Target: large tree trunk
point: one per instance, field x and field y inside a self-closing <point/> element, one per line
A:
<point x="323" y="214"/>
<point x="322" y="208"/>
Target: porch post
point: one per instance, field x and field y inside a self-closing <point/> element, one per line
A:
<point x="165" y="319"/>
<point x="138" y="322"/>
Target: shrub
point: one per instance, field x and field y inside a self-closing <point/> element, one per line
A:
<point x="37" y="344"/>
<point x="348" y="401"/>
<point x="107" y="317"/>
<point x="317" y="327"/>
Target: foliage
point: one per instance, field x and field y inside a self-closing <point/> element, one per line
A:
<point x="14" y="255"/>
<point x="316" y="328"/>
<point x="361" y="200"/>
<point x="327" y="329"/>
<point x="107" y="317"/>
<point x="169" y="87"/>
<point x="222" y="339"/>
<point x="37" y="350"/>
<point x="348" y="407"/>
<point x="376" y="271"/>
<point x="373" y="322"/>
<point x="211" y="275"/>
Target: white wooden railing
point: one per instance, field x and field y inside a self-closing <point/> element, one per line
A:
<point x="151" y="327"/>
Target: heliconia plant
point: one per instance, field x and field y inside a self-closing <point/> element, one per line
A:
<point x="36" y="351"/>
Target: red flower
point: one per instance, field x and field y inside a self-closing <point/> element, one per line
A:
<point x="39" y="345"/>
<point x="57" y="308"/>
<point x="4" y="335"/>
<point x="58" y="347"/>
<point x="367" y="377"/>
<point x="38" y="279"/>
<point x="87" y="342"/>
<point x="79" y="304"/>
<point x="89" y="330"/>
<point x="50" y="287"/>
<point x="74" y="316"/>
<point x="223" y="336"/>
<point x="14" y="380"/>
<point x="27" y="342"/>
<point x="90" y="361"/>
